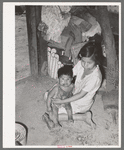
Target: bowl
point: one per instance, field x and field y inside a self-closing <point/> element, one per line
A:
<point x="20" y="133"/>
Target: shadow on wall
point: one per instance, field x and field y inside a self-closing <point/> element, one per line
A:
<point x="20" y="10"/>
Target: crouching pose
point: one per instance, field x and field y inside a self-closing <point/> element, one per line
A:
<point x="62" y="90"/>
<point x="88" y="80"/>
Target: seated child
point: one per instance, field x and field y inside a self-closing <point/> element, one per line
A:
<point x="63" y="89"/>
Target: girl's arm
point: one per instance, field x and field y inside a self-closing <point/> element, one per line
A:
<point x="71" y="99"/>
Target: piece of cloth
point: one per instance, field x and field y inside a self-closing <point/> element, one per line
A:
<point x="89" y="83"/>
<point x="52" y="17"/>
<point x="81" y="23"/>
<point x="75" y="49"/>
<point x="61" y="45"/>
<point x="95" y="29"/>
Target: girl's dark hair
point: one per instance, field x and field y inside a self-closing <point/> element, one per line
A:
<point x="90" y="49"/>
<point x="65" y="70"/>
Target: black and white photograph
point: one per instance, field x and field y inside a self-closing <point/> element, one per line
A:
<point x="63" y="48"/>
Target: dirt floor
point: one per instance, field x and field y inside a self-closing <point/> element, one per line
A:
<point x="30" y="107"/>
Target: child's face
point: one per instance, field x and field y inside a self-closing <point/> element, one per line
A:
<point x="65" y="80"/>
<point x="87" y="63"/>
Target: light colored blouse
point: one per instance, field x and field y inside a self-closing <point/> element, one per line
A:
<point x="90" y="83"/>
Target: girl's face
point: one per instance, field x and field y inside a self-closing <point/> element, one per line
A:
<point x="65" y="80"/>
<point x="87" y="63"/>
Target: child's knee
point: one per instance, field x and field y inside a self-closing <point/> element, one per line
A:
<point x="68" y="106"/>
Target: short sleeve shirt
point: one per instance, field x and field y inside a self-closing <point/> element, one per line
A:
<point x="90" y="83"/>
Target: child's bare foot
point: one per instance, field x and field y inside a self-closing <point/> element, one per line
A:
<point x="89" y="120"/>
<point x="46" y="119"/>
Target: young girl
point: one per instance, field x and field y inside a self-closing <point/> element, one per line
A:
<point x="88" y="81"/>
<point x="63" y="89"/>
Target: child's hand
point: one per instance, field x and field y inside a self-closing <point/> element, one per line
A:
<point x="57" y="101"/>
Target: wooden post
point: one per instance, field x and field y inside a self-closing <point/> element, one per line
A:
<point x="38" y="33"/>
<point x="41" y="43"/>
<point x="32" y="39"/>
<point x="110" y="47"/>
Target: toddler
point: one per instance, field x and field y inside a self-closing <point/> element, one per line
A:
<point x="63" y="89"/>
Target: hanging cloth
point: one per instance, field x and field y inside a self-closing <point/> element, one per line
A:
<point x="52" y="16"/>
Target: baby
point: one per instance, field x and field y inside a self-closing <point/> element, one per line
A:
<point x="63" y="89"/>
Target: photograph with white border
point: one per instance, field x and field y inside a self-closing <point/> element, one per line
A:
<point x="55" y="48"/>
